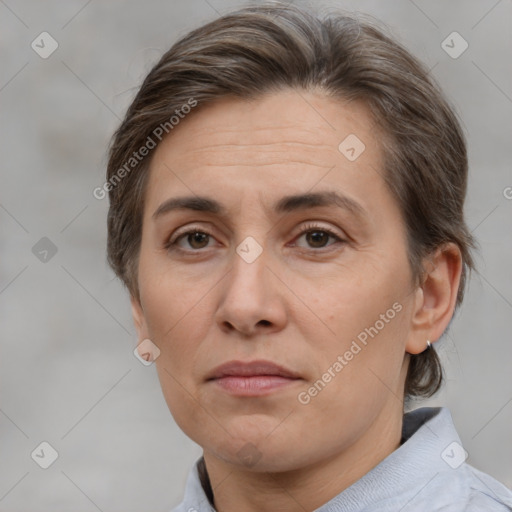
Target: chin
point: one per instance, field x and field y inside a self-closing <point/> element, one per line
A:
<point x="265" y="452"/>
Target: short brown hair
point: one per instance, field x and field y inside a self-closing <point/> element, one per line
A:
<point x="265" y="48"/>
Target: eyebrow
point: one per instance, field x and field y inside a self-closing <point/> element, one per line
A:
<point x="286" y="204"/>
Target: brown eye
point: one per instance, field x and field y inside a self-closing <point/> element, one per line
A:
<point x="197" y="239"/>
<point x="317" y="238"/>
<point x="194" y="238"/>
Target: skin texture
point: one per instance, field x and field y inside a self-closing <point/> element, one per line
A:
<point x="301" y="303"/>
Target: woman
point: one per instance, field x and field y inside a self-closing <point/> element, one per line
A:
<point x="286" y="211"/>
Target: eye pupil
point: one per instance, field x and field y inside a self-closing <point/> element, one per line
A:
<point x="316" y="236"/>
<point x="197" y="237"/>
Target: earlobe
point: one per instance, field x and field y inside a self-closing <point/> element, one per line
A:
<point x="435" y="297"/>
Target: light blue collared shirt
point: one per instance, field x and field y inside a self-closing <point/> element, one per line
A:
<point x="427" y="473"/>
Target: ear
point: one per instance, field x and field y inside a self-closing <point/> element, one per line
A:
<point x="139" y="319"/>
<point x="435" y="297"/>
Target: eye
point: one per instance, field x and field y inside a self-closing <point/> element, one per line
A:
<point x="195" y="237"/>
<point x="318" y="236"/>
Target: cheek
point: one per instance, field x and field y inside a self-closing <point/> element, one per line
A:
<point x="182" y="401"/>
<point x="175" y="322"/>
<point x="357" y="378"/>
<point x="368" y="318"/>
<point x="175" y="313"/>
<point x="167" y="298"/>
<point x="366" y="297"/>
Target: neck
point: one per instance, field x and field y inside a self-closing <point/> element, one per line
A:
<point x="306" y="488"/>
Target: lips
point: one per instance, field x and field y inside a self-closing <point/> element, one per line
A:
<point x="251" y="369"/>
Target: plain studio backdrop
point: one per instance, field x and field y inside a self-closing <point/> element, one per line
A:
<point x="68" y="374"/>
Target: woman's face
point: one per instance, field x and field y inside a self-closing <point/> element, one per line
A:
<point x="253" y="284"/>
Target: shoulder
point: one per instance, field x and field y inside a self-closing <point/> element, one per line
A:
<point x="183" y="508"/>
<point x="465" y="490"/>
<point x="439" y="478"/>
<point x="486" y="493"/>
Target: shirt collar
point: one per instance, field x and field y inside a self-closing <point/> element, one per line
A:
<point x="426" y="432"/>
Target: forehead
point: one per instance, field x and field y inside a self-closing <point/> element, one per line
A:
<point x="282" y="142"/>
<point x="286" y="116"/>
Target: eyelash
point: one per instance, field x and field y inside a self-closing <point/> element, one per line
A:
<point x="309" y="228"/>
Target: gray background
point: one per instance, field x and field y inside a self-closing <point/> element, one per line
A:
<point x="68" y="374"/>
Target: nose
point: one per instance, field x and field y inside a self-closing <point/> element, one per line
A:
<point x="252" y="299"/>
